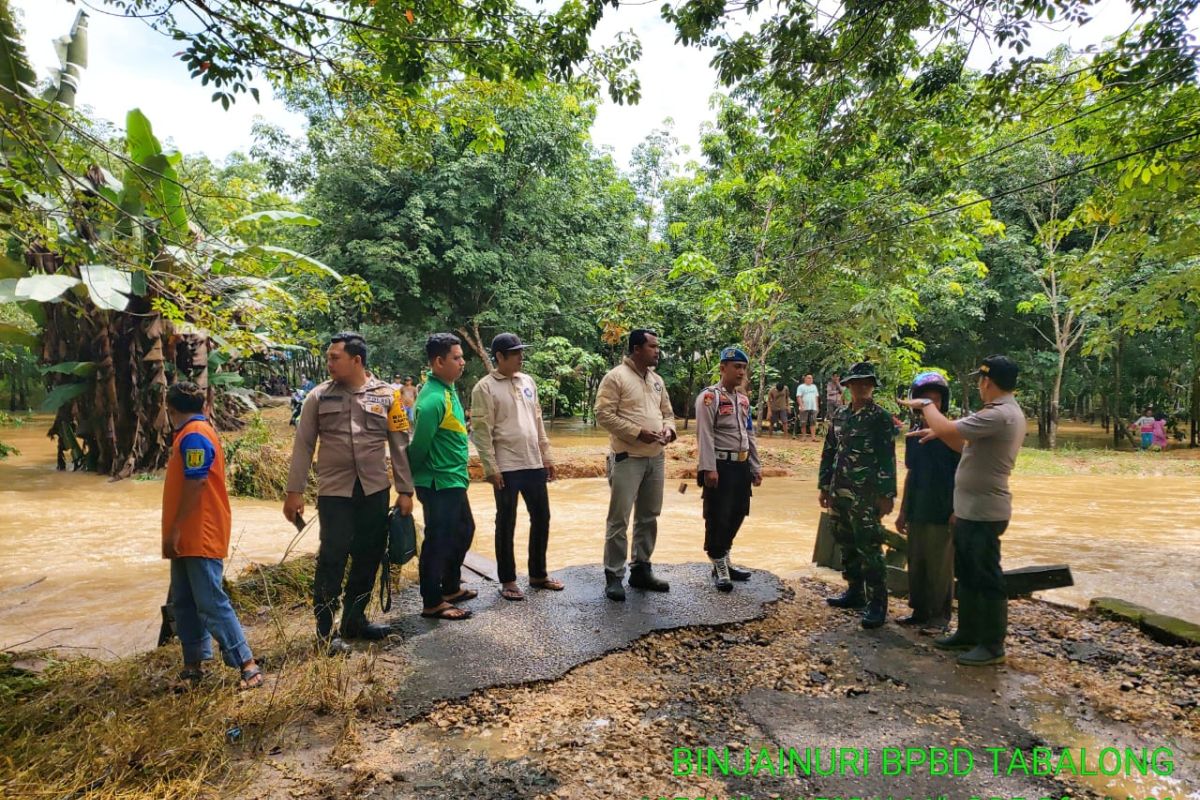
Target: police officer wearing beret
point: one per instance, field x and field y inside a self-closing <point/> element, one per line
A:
<point x="359" y="420"/>
<point x="729" y="463"/>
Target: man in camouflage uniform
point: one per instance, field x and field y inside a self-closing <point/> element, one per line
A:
<point x="728" y="463"/>
<point x="858" y="486"/>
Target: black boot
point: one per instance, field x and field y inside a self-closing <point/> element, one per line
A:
<point x="855" y="596"/>
<point x="993" y="627"/>
<point x="740" y="575"/>
<point x="876" y="613"/>
<point x="326" y="642"/>
<point x="966" y="636"/>
<point x="354" y="620"/>
<point x="641" y="576"/>
<point x="721" y="574"/>
<point x="613" y="589"/>
<point x="371" y="631"/>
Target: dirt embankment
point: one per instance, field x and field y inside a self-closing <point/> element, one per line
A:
<point x="323" y="728"/>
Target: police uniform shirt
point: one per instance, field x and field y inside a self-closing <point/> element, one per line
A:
<point x="994" y="436"/>
<point x="356" y="429"/>
<point x="724" y="421"/>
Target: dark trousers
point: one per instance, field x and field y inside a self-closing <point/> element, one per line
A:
<point x="353" y="528"/>
<point x="977" y="557"/>
<point x="726" y="506"/>
<point x="449" y="531"/>
<point x="982" y="595"/>
<point x="530" y="484"/>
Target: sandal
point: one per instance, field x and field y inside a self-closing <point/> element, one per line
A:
<point x="189" y="678"/>
<point x="463" y="594"/>
<point x="448" y="612"/>
<point x="511" y="594"/>
<point x="251" y="678"/>
<point x="548" y="583"/>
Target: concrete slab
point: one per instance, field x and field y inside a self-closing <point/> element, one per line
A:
<point x="549" y="633"/>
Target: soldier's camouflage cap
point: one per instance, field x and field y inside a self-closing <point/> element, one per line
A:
<point x="862" y="371"/>
<point x="734" y="354"/>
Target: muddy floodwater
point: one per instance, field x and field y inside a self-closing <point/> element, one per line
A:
<point x="80" y="567"/>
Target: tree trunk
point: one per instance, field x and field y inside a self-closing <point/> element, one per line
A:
<point x="1194" y="404"/>
<point x="1042" y="420"/>
<point x="1118" y="424"/>
<point x="475" y="342"/>
<point x="1055" y="394"/>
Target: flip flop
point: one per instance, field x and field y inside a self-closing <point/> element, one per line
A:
<point x="251" y="678"/>
<point x="189" y="678"/>
<point x="511" y="594"/>
<point x="452" y="613"/>
<point x="549" y="584"/>
<point x="464" y="594"/>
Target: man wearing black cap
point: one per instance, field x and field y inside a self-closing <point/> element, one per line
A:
<point x="989" y="441"/>
<point x="858" y="485"/>
<point x="507" y="430"/>
<point x="728" y="465"/>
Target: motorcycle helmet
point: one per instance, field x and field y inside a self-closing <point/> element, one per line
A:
<point x="934" y="380"/>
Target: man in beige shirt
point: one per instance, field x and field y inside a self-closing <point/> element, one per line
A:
<point x="358" y="420"/>
<point x="507" y="431"/>
<point x="633" y="406"/>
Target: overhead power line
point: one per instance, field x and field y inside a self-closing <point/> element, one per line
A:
<point x="996" y="195"/>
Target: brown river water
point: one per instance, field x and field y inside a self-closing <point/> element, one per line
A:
<point x="80" y="567"/>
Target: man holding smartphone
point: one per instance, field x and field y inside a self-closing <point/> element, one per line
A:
<point x="633" y="406"/>
<point x="989" y="441"/>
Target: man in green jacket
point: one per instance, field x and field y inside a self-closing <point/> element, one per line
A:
<point x="437" y="454"/>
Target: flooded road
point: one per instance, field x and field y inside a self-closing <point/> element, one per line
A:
<point x="80" y="567"/>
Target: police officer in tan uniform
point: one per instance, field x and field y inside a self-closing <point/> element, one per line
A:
<point x="729" y="466"/>
<point x="358" y="420"/>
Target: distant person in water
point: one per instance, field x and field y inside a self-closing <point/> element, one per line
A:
<point x="1159" y="441"/>
<point x="196" y="525"/>
<point x="1144" y="427"/>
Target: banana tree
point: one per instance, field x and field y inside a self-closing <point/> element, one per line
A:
<point x="129" y="293"/>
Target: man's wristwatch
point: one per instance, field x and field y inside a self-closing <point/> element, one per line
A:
<point x="925" y="402"/>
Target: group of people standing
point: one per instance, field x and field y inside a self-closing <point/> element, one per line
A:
<point x="374" y="437"/>
<point x="955" y="506"/>
<point x="808" y="405"/>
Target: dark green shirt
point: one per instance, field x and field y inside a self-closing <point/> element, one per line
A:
<point x="859" y="458"/>
<point x="438" y="451"/>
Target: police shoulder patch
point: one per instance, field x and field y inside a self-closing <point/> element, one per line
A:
<point x="193" y="458"/>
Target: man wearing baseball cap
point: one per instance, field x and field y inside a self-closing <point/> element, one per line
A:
<point x="728" y="465"/>
<point x="989" y="441"/>
<point x="507" y="430"/>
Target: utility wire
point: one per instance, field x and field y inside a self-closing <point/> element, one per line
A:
<point x="871" y="201"/>
<point x="942" y="212"/>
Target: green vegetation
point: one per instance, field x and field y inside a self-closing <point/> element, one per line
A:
<point x="115" y="729"/>
<point x="863" y="193"/>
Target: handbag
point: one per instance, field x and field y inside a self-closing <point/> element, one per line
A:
<point x="402" y="538"/>
<point x="401" y="547"/>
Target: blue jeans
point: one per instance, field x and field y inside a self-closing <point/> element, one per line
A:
<point x="203" y="612"/>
